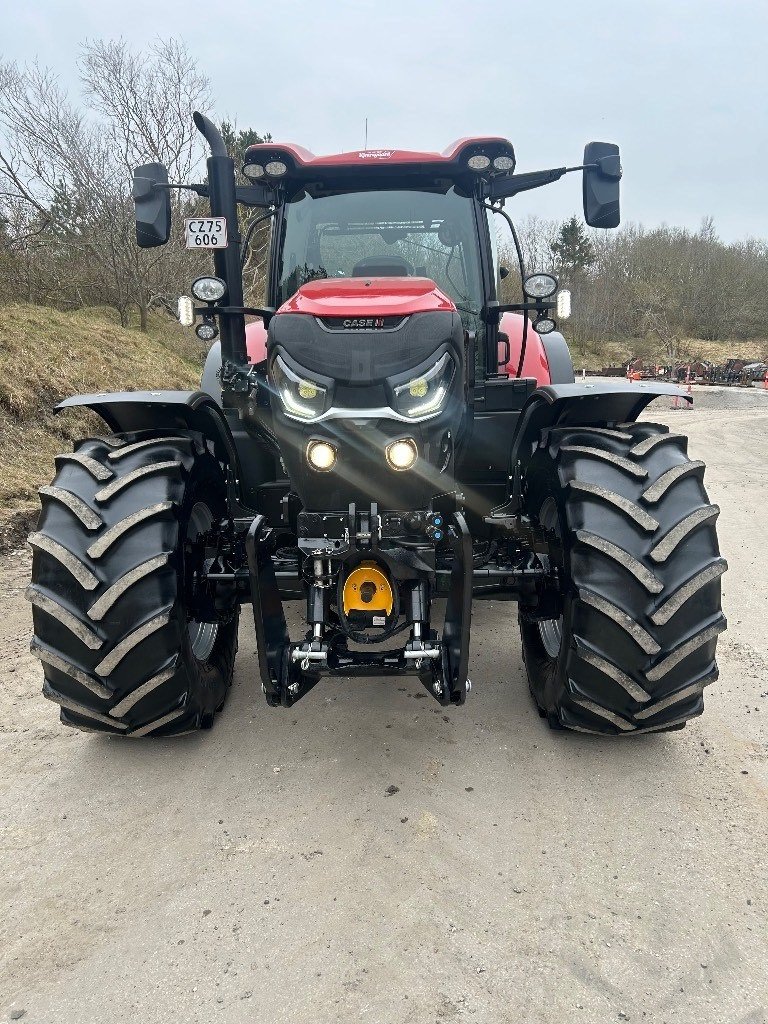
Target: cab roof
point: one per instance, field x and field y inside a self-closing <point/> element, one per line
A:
<point x="367" y="167"/>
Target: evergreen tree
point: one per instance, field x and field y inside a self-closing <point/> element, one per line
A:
<point x="237" y="140"/>
<point x="573" y="250"/>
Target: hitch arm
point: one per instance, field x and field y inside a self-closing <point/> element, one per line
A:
<point x="268" y="616"/>
<point x="458" y="613"/>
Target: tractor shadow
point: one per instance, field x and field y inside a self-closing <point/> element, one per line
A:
<point x="363" y="736"/>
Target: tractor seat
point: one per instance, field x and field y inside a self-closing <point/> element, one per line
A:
<point x="383" y="266"/>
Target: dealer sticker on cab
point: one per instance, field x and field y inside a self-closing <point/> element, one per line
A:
<point x="206" y="232"/>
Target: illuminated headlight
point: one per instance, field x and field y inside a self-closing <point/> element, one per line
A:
<point x="402" y="454"/>
<point x="563" y="304"/>
<point x="425" y="395"/>
<point x="301" y="397"/>
<point x="186" y="311"/>
<point x="321" y="456"/>
<point x="254" y="171"/>
<point x="503" y="163"/>
<point x="479" y="162"/>
<point x="208" y="289"/>
<point x="540" y="286"/>
<point x="276" y="168"/>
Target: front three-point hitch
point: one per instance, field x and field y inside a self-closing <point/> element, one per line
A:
<point x="369" y="576"/>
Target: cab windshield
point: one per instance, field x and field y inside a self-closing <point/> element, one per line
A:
<point x="389" y="234"/>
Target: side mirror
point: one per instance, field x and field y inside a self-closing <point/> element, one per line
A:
<point x="601" y="185"/>
<point x="152" y="205"/>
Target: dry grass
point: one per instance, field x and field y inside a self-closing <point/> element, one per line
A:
<point x="618" y="353"/>
<point x="45" y="356"/>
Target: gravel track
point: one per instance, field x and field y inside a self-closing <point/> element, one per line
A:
<point x="368" y="855"/>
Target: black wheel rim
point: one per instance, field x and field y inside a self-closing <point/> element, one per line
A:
<point x="202" y="635"/>
<point x="551" y="630"/>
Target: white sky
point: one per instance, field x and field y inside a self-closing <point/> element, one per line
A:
<point x="681" y="85"/>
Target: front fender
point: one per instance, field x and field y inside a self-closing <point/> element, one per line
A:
<point x="584" y="403"/>
<point x="127" y="411"/>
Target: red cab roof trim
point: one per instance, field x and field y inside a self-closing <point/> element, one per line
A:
<point x="356" y="158"/>
<point x="367" y="297"/>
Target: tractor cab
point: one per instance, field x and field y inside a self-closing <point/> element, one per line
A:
<point x="391" y="213"/>
<point x="379" y="258"/>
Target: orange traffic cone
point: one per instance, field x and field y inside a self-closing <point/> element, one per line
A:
<point x="765" y="381"/>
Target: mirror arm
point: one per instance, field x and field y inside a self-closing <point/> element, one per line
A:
<point x="265" y="312"/>
<point x="492" y="311"/>
<point x="247" y="195"/>
<point x="501" y="188"/>
<point x="200" y="189"/>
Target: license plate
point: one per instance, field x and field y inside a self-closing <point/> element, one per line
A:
<point x="205" y="232"/>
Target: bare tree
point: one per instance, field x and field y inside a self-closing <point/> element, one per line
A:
<point x="70" y="169"/>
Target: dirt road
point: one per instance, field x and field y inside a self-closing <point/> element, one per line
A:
<point x="262" y="872"/>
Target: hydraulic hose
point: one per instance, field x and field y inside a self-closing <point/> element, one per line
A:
<point x="521" y="264"/>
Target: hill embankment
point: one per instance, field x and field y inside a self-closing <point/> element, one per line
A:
<point x="47" y="355"/>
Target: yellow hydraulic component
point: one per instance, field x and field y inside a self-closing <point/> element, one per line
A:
<point x="367" y="589"/>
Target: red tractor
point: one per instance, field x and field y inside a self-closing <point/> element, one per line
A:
<point x="385" y="433"/>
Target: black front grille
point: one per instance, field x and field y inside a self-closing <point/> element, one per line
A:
<point x="366" y="356"/>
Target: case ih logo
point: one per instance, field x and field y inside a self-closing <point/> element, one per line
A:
<point x="376" y="154"/>
<point x="371" y="321"/>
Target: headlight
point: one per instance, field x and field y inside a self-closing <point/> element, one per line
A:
<point x="301" y="397"/>
<point x="544" y="325"/>
<point x="254" y="171"/>
<point x="276" y="168"/>
<point x="540" y="286"/>
<point x="402" y="454"/>
<point x="208" y="289"/>
<point x="206" y="331"/>
<point x="321" y="456"/>
<point x="425" y="395"/>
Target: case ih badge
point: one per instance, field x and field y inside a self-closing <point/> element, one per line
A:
<point x="436" y="446"/>
<point x="363" y="323"/>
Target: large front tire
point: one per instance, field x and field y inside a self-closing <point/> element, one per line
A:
<point x="110" y="572"/>
<point x="631" y="535"/>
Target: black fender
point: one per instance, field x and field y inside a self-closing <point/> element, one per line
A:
<point x="583" y="404"/>
<point x="211" y="382"/>
<point x="127" y="411"/>
<point x="559" y="358"/>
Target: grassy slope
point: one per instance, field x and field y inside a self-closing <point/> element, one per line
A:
<point x="46" y="355"/>
<point x="618" y="353"/>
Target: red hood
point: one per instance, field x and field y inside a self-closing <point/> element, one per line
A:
<point x="368" y="296"/>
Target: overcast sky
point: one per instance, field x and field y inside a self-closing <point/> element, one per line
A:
<point x="681" y="85"/>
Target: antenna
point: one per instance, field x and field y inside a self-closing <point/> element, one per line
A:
<point x="366" y="134"/>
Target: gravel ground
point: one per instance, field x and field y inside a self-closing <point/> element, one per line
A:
<point x="371" y="856"/>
